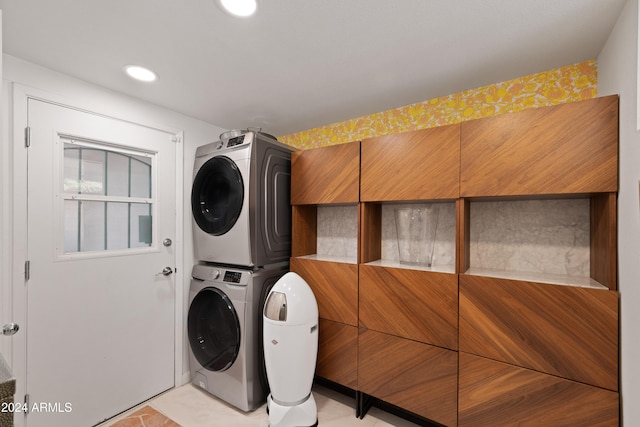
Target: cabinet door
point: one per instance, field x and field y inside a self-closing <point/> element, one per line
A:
<point x="326" y="175"/>
<point x="420" y="378"/>
<point x="568" y="148"/>
<point x="496" y="394"/>
<point x="560" y="330"/>
<point x="338" y="353"/>
<point x="415" y="165"/>
<point x="419" y="305"/>
<point x="335" y="286"/>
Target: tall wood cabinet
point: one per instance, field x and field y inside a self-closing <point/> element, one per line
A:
<point x="458" y="342"/>
<point x="322" y="178"/>
<point x="408" y="315"/>
<point x="545" y="344"/>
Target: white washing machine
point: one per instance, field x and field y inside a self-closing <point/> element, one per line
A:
<point x="225" y="331"/>
<point x="240" y="200"/>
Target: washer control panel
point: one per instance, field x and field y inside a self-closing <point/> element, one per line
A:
<point x="219" y="274"/>
<point x="232" y="276"/>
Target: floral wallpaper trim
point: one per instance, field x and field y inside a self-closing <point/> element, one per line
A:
<point x="565" y="84"/>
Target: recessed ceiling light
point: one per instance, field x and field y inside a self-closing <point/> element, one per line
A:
<point x="241" y="8"/>
<point x="140" y="73"/>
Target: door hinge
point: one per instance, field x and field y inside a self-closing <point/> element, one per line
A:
<point x="27" y="137"/>
<point x="176" y="138"/>
<point x="27" y="270"/>
<point x="26" y="403"/>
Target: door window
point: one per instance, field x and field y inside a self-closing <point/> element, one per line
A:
<point x="107" y="197"/>
<point x="213" y="329"/>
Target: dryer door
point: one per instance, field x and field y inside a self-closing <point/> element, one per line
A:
<point x="217" y="195"/>
<point x="214" y="330"/>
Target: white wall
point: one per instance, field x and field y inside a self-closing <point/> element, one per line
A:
<point x="113" y="104"/>
<point x="618" y="73"/>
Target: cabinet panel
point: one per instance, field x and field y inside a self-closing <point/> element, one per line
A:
<point x="561" y="330"/>
<point x="604" y="239"/>
<point x="567" y="148"/>
<point x="335" y="286"/>
<point x="338" y="353"/>
<point x="415" y="165"/>
<point x="497" y="394"/>
<point x="304" y="230"/>
<point x="326" y="175"/>
<point x="370" y="233"/>
<point x="418" y="305"/>
<point x="417" y="377"/>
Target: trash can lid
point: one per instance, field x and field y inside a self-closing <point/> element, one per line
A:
<point x="291" y="301"/>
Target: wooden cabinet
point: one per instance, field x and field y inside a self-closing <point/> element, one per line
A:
<point x="415" y="376"/>
<point x="338" y="353"/>
<point x="335" y="286"/>
<point x="326" y="175"/>
<point x="565" y="149"/>
<point x="408" y="314"/>
<point x="413" y="304"/>
<point x="455" y="342"/>
<point x="567" y="331"/>
<point x="538" y="347"/>
<point x="496" y="394"/>
<point x="327" y="180"/>
<point x="415" y="165"/>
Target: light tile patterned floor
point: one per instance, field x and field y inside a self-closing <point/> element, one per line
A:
<point x="145" y="417"/>
<point x="188" y="406"/>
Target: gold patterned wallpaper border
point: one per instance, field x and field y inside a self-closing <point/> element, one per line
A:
<point x="565" y="84"/>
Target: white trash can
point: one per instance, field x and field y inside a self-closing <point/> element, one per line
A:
<point x="290" y="352"/>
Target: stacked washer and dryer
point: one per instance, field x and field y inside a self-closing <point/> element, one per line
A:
<point x="242" y="243"/>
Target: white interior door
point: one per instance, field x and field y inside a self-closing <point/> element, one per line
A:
<point x="100" y="313"/>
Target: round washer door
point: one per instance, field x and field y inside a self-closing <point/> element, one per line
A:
<point x="217" y="195"/>
<point x="213" y="329"/>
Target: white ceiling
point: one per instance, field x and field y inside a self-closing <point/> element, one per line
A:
<point x="300" y="64"/>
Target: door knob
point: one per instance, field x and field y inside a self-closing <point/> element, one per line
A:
<point x="167" y="242"/>
<point x="166" y="271"/>
<point x="10" y="328"/>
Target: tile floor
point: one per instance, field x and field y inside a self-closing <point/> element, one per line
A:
<point x="145" y="417"/>
<point x="189" y="406"/>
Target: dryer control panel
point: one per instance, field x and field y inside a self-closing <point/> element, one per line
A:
<point x="235" y="141"/>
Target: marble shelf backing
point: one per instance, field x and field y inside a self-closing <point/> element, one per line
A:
<point x="548" y="237"/>
<point x="337" y="232"/>
<point x="444" y="248"/>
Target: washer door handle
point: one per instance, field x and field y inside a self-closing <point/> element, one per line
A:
<point x="167" y="271"/>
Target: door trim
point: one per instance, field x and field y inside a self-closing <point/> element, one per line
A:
<point x="21" y="94"/>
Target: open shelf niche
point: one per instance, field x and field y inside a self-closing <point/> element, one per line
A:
<point x="336" y="235"/>
<point x="381" y="238"/>
<point x="537" y="240"/>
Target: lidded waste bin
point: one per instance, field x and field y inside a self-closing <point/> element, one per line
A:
<point x="290" y="351"/>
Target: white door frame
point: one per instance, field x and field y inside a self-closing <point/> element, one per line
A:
<point x="21" y="94"/>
